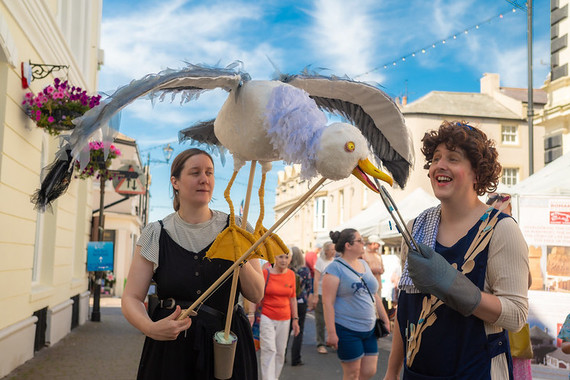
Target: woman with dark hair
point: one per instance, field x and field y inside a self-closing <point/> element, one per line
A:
<point x="171" y="252"/>
<point x="466" y="282"/>
<point x="303" y="286"/>
<point x="351" y="303"/>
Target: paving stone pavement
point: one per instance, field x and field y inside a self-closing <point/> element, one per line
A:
<point x="108" y="350"/>
<point x="111" y="350"/>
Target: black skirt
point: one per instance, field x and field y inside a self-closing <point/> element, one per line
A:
<point x="191" y="355"/>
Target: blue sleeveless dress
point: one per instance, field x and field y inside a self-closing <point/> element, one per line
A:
<point x="454" y="347"/>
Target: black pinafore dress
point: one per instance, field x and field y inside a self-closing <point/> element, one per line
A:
<point x="183" y="276"/>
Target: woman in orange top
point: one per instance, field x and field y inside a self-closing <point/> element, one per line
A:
<point x="279" y="307"/>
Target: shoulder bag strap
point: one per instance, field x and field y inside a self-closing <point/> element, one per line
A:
<point x="360" y="277"/>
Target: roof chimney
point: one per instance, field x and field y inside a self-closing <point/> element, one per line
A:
<point x="490" y="83"/>
<point x="404" y="100"/>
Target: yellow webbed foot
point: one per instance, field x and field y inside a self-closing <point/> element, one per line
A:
<point x="232" y="243"/>
<point x="273" y="244"/>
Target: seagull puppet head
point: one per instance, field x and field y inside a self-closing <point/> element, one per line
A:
<point x="342" y="151"/>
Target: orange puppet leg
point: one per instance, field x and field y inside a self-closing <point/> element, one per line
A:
<point x="273" y="244"/>
<point x="231" y="243"/>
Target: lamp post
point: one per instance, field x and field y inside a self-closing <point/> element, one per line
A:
<point x="530" y="107"/>
<point x="167" y="151"/>
<point x="96" y="313"/>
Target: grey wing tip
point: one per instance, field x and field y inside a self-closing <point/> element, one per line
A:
<point x="201" y="132"/>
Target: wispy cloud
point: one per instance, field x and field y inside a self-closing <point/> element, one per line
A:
<point x="165" y="33"/>
<point x="344" y="35"/>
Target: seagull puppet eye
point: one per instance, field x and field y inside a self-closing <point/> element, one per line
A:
<point x="349" y="147"/>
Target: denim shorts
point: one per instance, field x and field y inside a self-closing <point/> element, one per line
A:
<point x="353" y="345"/>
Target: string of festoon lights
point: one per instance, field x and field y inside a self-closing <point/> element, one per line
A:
<point x="443" y="41"/>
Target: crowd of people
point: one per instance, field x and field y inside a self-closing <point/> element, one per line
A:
<point x="458" y="291"/>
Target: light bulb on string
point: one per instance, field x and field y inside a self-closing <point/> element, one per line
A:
<point x="444" y="42"/>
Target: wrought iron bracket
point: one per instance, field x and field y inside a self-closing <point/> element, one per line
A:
<point x="40" y="70"/>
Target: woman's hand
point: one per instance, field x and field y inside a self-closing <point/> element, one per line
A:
<point x="296" y="327"/>
<point x="169" y="328"/>
<point x="332" y="339"/>
<point x="313" y="300"/>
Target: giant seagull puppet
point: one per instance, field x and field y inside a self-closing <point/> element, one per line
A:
<point x="266" y="121"/>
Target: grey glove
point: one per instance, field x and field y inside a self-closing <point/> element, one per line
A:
<point x="433" y="274"/>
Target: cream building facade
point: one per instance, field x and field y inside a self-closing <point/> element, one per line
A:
<point x="500" y="112"/>
<point x="556" y="114"/>
<point x="42" y="255"/>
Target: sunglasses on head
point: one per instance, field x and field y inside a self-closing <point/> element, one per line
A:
<point x="500" y="197"/>
<point x="458" y="124"/>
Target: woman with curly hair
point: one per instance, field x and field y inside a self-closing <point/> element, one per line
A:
<point x="466" y="283"/>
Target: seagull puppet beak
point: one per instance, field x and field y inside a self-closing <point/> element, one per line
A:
<point x="366" y="167"/>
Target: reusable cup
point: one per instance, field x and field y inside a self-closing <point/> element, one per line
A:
<point x="224" y="353"/>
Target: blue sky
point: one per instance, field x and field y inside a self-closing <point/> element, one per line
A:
<point x="356" y="38"/>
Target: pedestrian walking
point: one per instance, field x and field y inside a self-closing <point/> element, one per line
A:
<point x="351" y="304"/>
<point x="279" y="310"/>
<point x="304" y="286"/>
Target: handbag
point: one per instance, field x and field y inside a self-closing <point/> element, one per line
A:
<point x="520" y="343"/>
<point x="380" y="330"/>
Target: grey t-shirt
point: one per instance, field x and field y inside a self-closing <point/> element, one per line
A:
<point x="353" y="307"/>
<point x="193" y="237"/>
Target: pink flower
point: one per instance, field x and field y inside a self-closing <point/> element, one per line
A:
<point x="51" y="119"/>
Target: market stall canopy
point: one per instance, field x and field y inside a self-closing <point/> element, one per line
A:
<point x="553" y="179"/>
<point x="375" y="219"/>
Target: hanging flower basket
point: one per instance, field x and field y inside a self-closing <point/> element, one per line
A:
<point x="97" y="165"/>
<point x="57" y="105"/>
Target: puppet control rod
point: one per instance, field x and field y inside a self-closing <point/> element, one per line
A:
<point x="247" y="253"/>
<point x="400" y="223"/>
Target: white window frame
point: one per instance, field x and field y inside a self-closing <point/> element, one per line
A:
<point x="510" y="176"/>
<point x="321" y="209"/>
<point x="510" y="134"/>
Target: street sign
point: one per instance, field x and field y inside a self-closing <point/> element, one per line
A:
<point x="100" y="256"/>
<point x="129" y="181"/>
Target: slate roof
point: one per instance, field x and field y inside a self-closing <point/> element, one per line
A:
<point x="460" y="104"/>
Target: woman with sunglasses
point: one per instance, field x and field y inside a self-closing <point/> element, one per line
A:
<point x="465" y="283"/>
<point x="351" y="303"/>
